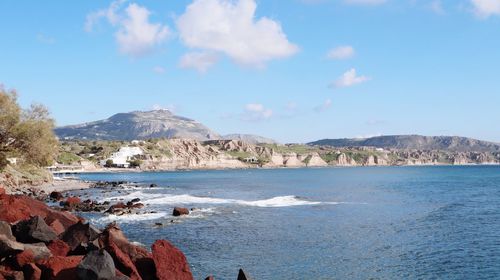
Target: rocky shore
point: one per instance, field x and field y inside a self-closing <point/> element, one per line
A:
<point x="40" y="242"/>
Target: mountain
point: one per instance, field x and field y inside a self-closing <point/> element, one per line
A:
<point x="418" y="142"/>
<point x="249" y="138"/>
<point x="138" y="125"/>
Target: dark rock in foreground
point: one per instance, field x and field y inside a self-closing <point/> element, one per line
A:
<point x="34" y="230"/>
<point x="96" y="265"/>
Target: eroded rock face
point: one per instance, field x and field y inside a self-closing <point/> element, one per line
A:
<point x="96" y="265"/>
<point x="170" y="262"/>
<point x="34" y="230"/>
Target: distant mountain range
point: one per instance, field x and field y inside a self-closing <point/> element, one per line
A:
<point x="417" y="142"/>
<point x="140" y="125"/>
<point x="249" y="138"/>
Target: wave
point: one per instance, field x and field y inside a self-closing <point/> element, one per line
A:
<point x="130" y="218"/>
<point x="161" y="199"/>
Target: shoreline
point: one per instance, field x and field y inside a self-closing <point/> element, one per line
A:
<point x="138" y="170"/>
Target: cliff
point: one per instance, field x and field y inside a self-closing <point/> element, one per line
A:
<point x="173" y="154"/>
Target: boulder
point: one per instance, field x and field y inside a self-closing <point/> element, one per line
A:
<point x="72" y="202"/>
<point x="39" y="250"/>
<point x="210" y="277"/>
<point x="9" y="246"/>
<point x="58" y="248"/>
<point x="113" y="234"/>
<point x="56" y="196"/>
<point x="10" y="274"/>
<point x="136" y="206"/>
<point x="2" y="190"/>
<point x="135" y="200"/>
<point x="32" y="272"/>
<point x="242" y="275"/>
<point x="123" y="262"/>
<point x="170" y="262"/>
<point x="34" y="230"/>
<point x="23" y="258"/>
<point x="14" y="208"/>
<point x="178" y="211"/>
<point x="80" y="234"/>
<point x="56" y="226"/>
<point x="96" y="265"/>
<point x="60" y="268"/>
<point x="6" y="230"/>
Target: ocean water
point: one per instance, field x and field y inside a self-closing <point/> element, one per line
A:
<point x="325" y="223"/>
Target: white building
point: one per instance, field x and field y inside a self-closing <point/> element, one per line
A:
<point x="123" y="156"/>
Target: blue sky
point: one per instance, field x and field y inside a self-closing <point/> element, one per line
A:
<point x="295" y="70"/>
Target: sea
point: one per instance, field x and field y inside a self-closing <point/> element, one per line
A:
<point x="440" y="222"/>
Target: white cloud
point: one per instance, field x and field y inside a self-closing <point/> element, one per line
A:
<point x="341" y="52"/>
<point x="159" y="70"/>
<point x="486" y="8"/>
<point x="350" y="78"/>
<point x="135" y="34"/>
<point x="365" y="2"/>
<point x="200" y="61"/>
<point x="256" y="112"/>
<point x="323" y="107"/>
<point x="232" y="29"/>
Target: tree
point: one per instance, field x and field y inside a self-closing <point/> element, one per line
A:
<point x="109" y="163"/>
<point x="27" y="134"/>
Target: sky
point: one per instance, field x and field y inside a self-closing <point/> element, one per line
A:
<point x="292" y="70"/>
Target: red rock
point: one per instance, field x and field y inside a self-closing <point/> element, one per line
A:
<point x="32" y="272"/>
<point x="61" y="268"/>
<point x="58" y="248"/>
<point x="123" y="262"/>
<point x="10" y="274"/>
<point x="71" y="202"/>
<point x="178" y="211"/>
<point x="113" y="234"/>
<point x="24" y="258"/>
<point x="14" y="208"/>
<point x="170" y="262"/>
<point x="2" y="190"/>
<point x="56" y="226"/>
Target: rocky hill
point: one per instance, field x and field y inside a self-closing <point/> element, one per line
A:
<point x="415" y="142"/>
<point x="249" y="138"/>
<point x="138" y="125"/>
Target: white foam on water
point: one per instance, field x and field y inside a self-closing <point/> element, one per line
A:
<point x="278" y="201"/>
<point x="131" y="218"/>
<point x="168" y="199"/>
